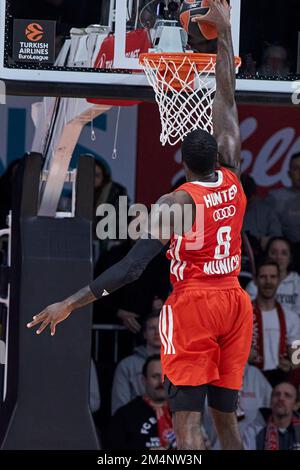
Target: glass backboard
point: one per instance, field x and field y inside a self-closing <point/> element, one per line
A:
<point x="92" y="47"/>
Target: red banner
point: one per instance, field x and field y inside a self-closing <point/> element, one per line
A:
<point x="137" y="42"/>
<point x="270" y="136"/>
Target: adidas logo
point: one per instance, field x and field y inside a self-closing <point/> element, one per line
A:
<point x="105" y="293"/>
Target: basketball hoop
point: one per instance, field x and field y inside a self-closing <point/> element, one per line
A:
<point x="184" y="86"/>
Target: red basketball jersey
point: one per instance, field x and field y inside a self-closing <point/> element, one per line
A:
<point x="212" y="249"/>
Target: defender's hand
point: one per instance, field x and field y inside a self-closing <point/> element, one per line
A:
<point x="218" y="15"/>
<point x="52" y="315"/>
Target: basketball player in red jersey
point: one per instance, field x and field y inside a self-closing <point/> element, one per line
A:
<point x="206" y="323"/>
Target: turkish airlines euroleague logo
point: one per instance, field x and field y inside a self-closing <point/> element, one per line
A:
<point x="34" y="32"/>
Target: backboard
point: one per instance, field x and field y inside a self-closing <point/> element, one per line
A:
<point x="91" y="47"/>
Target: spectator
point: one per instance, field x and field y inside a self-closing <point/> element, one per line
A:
<point x="128" y="379"/>
<point x="275" y="328"/>
<point x="288" y="293"/>
<point x="145" y="423"/>
<point x="277" y="428"/>
<point x="261" y="222"/>
<point x="255" y="394"/>
<point x="107" y="192"/>
<point x="275" y="62"/>
<point x="286" y="203"/>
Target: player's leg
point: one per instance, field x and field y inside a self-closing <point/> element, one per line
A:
<point x="228" y="430"/>
<point x="235" y="344"/>
<point x="223" y="404"/>
<point x="190" y="355"/>
<point x="187" y="428"/>
<point x="187" y="404"/>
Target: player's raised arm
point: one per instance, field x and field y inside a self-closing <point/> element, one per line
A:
<point x="225" y="115"/>
<point x="129" y="269"/>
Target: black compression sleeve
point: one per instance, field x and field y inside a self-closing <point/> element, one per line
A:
<point x="128" y="269"/>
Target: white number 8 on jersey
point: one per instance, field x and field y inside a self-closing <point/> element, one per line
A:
<point x="224" y="238"/>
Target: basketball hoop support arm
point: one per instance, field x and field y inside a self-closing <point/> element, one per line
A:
<point x="72" y="115"/>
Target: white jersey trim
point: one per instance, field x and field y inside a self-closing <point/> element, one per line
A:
<point x="211" y="185"/>
<point x="177" y="266"/>
<point x="161" y="329"/>
<point x="166" y="327"/>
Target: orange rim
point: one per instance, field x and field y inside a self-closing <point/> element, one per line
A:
<point x="201" y="60"/>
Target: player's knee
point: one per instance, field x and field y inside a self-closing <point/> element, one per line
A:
<point x="187" y="430"/>
<point x="186" y="402"/>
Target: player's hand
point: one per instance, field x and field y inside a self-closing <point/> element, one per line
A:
<point x="129" y="320"/>
<point x="51" y="316"/>
<point x="218" y="15"/>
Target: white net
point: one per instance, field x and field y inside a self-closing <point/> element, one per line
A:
<point x="183" y="93"/>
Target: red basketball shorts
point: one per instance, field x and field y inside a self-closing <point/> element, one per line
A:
<point x="206" y="334"/>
